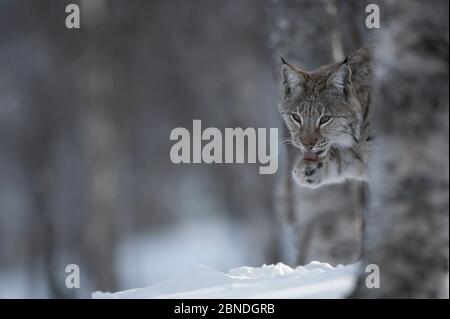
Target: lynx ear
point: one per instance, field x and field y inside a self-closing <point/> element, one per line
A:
<point x="292" y="78"/>
<point x="341" y="77"/>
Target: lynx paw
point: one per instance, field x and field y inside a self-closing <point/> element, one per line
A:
<point x="308" y="173"/>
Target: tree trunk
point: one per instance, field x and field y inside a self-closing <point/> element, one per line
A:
<point x="407" y="223"/>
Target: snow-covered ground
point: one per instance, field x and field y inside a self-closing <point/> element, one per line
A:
<point x="315" y="280"/>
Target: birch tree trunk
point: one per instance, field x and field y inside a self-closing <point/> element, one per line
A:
<point x="407" y="223"/>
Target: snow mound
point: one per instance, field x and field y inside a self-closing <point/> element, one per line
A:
<point x="266" y="271"/>
<point x="314" y="280"/>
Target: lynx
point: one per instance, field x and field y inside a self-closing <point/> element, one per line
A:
<point x="327" y="113"/>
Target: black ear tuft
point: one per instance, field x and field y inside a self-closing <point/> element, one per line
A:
<point x="283" y="60"/>
<point x="346" y="60"/>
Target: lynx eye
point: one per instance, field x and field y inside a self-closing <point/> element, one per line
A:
<point x="296" y="118"/>
<point x="324" y="119"/>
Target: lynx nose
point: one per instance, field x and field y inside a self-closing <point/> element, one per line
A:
<point x="308" y="142"/>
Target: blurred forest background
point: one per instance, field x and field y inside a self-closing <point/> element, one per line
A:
<point x="85" y="118"/>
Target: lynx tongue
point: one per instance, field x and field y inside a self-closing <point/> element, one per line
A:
<point x="310" y="156"/>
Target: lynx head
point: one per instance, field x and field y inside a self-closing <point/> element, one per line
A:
<point x="320" y="108"/>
